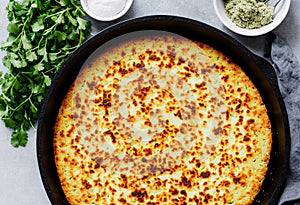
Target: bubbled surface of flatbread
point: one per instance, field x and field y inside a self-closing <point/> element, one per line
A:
<point x="162" y="119"/>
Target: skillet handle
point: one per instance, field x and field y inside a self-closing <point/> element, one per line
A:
<point x="269" y="70"/>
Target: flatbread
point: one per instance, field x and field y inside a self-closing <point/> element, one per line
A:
<point x="161" y="119"/>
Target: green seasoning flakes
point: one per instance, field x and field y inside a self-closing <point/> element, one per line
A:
<point x="249" y="14"/>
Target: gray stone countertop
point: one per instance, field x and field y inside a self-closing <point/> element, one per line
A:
<point x="19" y="175"/>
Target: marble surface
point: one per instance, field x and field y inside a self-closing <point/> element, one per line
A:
<point x="19" y="174"/>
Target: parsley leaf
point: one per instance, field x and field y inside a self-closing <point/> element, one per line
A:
<point x="19" y="138"/>
<point x="42" y="34"/>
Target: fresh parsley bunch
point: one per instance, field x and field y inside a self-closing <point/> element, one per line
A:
<point x="42" y="34"/>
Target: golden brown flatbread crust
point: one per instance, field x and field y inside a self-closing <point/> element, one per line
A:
<point x="162" y="119"/>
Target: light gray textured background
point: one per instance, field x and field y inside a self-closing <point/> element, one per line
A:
<point x="20" y="182"/>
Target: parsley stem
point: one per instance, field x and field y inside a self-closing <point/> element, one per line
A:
<point x="57" y="13"/>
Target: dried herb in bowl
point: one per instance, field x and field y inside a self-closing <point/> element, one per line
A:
<point x="249" y="14"/>
<point x="42" y="34"/>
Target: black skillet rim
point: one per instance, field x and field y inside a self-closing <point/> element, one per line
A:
<point x="159" y="22"/>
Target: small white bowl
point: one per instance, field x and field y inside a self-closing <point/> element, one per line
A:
<point x="280" y="13"/>
<point x="118" y="12"/>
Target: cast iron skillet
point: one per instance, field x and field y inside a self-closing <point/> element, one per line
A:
<point x="258" y="69"/>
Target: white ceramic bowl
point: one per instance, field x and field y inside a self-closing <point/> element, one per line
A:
<point x="281" y="11"/>
<point x="118" y="12"/>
